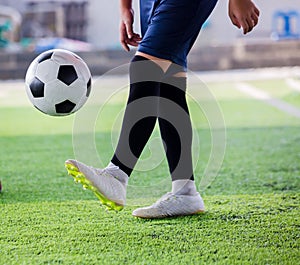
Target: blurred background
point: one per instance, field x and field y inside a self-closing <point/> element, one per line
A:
<point x="90" y="28"/>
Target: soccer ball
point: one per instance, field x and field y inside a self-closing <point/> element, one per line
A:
<point x="58" y="82"/>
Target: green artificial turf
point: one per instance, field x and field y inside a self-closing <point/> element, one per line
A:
<point x="246" y="229"/>
<point x="252" y="205"/>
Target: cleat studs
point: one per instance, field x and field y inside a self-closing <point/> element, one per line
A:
<point x="79" y="177"/>
<point x="118" y="207"/>
<point x="71" y="168"/>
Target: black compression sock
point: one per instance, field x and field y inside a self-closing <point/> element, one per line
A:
<point x="140" y="114"/>
<point x="175" y="127"/>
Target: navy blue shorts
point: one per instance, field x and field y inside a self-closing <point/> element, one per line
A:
<point x="170" y="27"/>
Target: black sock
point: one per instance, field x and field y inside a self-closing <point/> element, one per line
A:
<point x="175" y="127"/>
<point x="140" y="114"/>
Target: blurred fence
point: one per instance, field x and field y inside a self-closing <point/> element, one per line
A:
<point x="240" y="55"/>
<point x="56" y="18"/>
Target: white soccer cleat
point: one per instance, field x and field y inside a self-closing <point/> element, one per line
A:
<point x="171" y="205"/>
<point x="108" y="188"/>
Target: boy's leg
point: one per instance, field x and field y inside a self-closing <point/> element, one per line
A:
<point x="175" y="126"/>
<point x="140" y="114"/>
<point x="176" y="131"/>
<point x="109" y="184"/>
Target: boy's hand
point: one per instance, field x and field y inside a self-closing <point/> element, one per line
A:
<point x="127" y="36"/>
<point x="243" y="13"/>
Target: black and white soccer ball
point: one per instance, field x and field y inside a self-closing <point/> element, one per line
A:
<point x="58" y="82"/>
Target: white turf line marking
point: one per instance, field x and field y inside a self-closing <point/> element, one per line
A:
<point x="263" y="96"/>
<point x="292" y="83"/>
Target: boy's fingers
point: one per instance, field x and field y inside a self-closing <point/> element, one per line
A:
<point x="129" y="30"/>
<point x="123" y="37"/>
<point x="256" y="10"/>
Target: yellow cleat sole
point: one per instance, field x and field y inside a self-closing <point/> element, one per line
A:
<point x="79" y="177"/>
